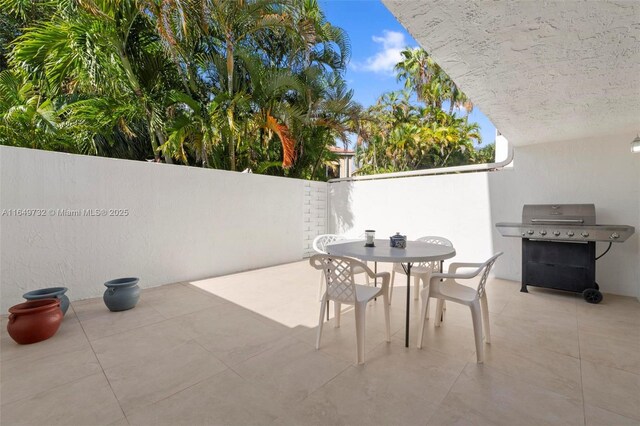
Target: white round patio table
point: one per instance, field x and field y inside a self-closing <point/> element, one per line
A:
<point x="415" y="252"/>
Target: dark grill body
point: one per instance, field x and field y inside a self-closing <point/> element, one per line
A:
<point x="559" y="246"/>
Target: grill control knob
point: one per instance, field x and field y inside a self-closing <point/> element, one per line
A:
<point x="543" y="232"/>
<point x="556" y="233"/>
<point x="570" y="233"/>
<point x="614" y="236"/>
<point x="530" y="232"/>
<point x="585" y="234"/>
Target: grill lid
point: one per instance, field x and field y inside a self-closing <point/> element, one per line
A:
<point x="559" y="214"/>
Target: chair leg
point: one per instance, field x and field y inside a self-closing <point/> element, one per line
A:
<point x="426" y="313"/>
<point x="393" y="278"/>
<point x="360" y="329"/>
<point x="426" y="282"/>
<point x="485" y="318"/>
<point x="427" y="299"/>
<point x="337" y="308"/>
<point x="439" y="312"/>
<point x="416" y="287"/>
<point x="321" y="286"/>
<point x="476" y="316"/>
<point x="423" y="316"/>
<point x="323" y="306"/>
<point x="387" y="319"/>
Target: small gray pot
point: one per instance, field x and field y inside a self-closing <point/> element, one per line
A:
<point x="50" y="293"/>
<point x="121" y="294"/>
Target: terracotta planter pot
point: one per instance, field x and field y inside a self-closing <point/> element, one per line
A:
<point x="50" y="293"/>
<point x="34" y="321"/>
<point x="121" y="294"/>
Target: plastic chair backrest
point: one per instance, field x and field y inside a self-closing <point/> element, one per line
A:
<point x="485" y="273"/>
<point x="321" y="241"/>
<point x="338" y="272"/>
<point x="436" y="240"/>
<point x="432" y="239"/>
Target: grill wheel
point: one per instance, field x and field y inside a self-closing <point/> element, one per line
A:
<point x="592" y="295"/>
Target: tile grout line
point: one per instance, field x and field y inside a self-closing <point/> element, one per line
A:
<point x="527" y="381"/>
<point x="336" y="358"/>
<point x="584" y="404"/>
<point x="336" y="375"/>
<point x="36" y="394"/>
<point x="100" y="364"/>
<point x="297" y="336"/>
<point x="542" y="387"/>
<point x="215" y="356"/>
<point x="453" y="383"/>
<point x="190" y="386"/>
<point x="150" y="305"/>
<point x="129" y="329"/>
<point x="327" y="382"/>
<point x="222" y="361"/>
<point x="135" y="328"/>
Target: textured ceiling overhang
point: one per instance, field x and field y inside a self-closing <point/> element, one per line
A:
<point x="542" y="71"/>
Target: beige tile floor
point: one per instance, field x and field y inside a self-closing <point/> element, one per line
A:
<point x="238" y="350"/>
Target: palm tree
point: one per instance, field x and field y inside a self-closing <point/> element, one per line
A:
<point x="400" y="135"/>
<point x="316" y="41"/>
<point x="27" y="118"/>
<point x="430" y="83"/>
<point x="233" y="21"/>
<point x="103" y="49"/>
<point x="447" y="136"/>
<point x="217" y="83"/>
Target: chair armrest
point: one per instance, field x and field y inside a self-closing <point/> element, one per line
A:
<point x="438" y="276"/>
<point x="454" y="266"/>
<point x="464" y="265"/>
<point x="367" y="270"/>
<point x="477" y="269"/>
<point x="386" y="278"/>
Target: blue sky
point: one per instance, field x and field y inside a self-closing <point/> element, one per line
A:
<point x="376" y="41"/>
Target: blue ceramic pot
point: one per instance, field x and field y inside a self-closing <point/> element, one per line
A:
<point x="121" y="294"/>
<point x="50" y="293"/>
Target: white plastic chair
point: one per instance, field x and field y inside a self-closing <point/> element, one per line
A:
<point x="319" y="245"/>
<point x="475" y="299"/>
<point x="341" y="288"/>
<point x="419" y="271"/>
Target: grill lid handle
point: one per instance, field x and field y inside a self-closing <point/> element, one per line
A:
<point x="558" y="220"/>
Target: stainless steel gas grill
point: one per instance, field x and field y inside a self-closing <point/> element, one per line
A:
<point x="559" y="246"/>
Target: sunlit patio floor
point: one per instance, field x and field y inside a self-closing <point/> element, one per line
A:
<point x="239" y="350"/>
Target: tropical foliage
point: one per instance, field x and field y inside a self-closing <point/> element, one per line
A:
<point x="410" y="130"/>
<point x="229" y="84"/>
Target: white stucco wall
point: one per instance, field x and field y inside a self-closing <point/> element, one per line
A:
<point x="184" y="223"/>
<point x="188" y="223"/>
<point x="452" y="206"/>
<point x="465" y="207"/>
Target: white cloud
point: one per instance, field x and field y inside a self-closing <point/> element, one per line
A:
<point x="392" y="43"/>
<point x="459" y="109"/>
